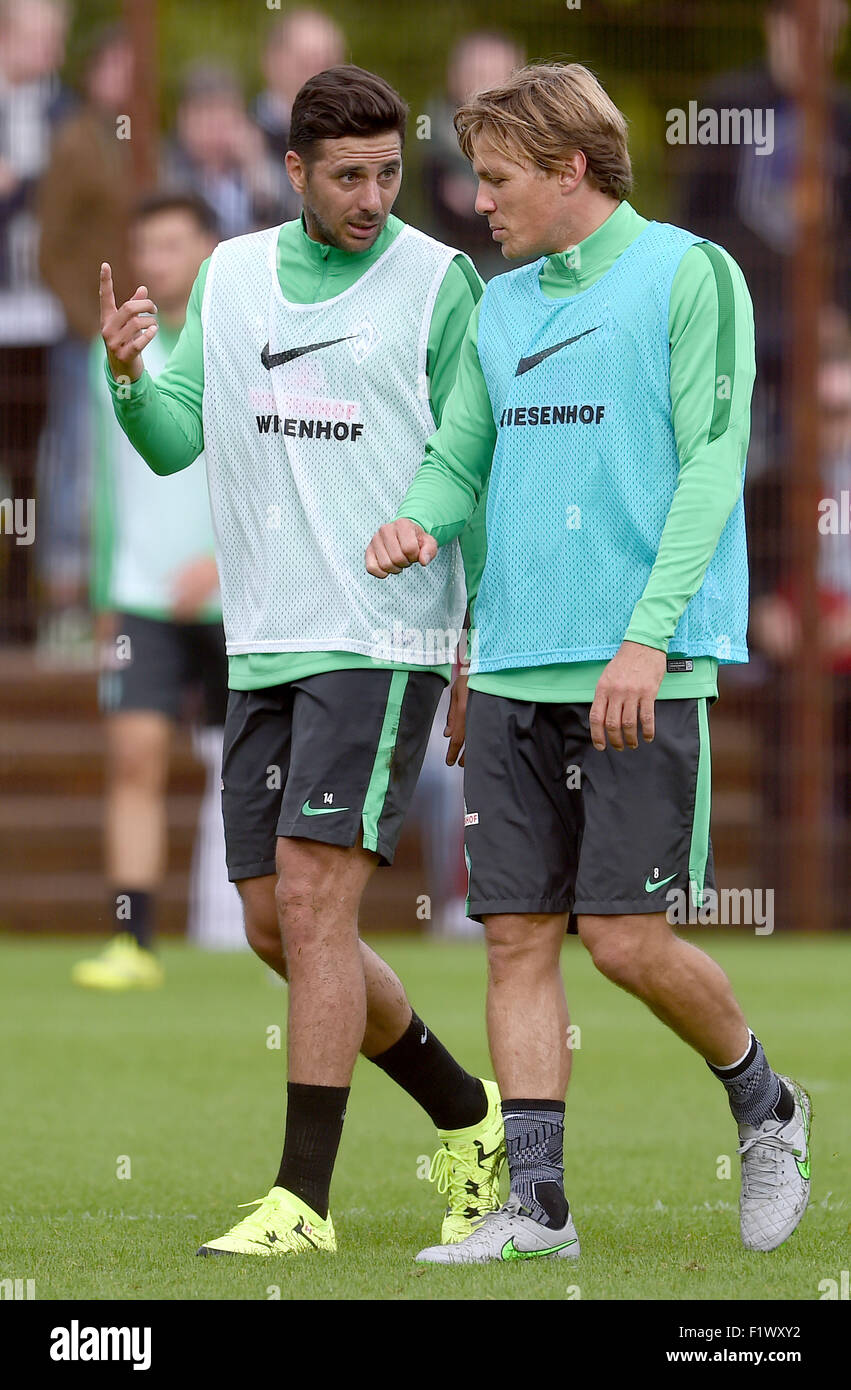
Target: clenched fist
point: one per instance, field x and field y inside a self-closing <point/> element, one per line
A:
<point x="397" y="545"/>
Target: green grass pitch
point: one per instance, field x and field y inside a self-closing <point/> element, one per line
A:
<point x="182" y="1083"/>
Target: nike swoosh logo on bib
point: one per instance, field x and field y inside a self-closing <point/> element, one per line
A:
<point x="277" y="359"/>
<point x="527" y="363"/>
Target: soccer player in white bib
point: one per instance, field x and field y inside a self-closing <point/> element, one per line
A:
<point x="316" y="360"/>
<point x="603" y="397"/>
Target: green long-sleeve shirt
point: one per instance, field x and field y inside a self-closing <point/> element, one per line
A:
<point x="163" y="418"/>
<point x="711" y="336"/>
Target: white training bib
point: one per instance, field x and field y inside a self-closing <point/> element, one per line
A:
<point x="315" y="421"/>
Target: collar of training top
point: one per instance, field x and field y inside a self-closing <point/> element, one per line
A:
<point x="318" y="252"/>
<point x="582" y="264"/>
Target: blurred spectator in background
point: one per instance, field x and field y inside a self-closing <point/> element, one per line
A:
<point x="776" y="629"/>
<point x="84" y="203"/>
<point x="220" y="153"/>
<point x="477" y="62"/>
<point x="159" y="625"/>
<point x="743" y="196"/>
<point x="301" y="44"/>
<point x="32" y="101"/>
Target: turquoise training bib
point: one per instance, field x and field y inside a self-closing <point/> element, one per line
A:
<point x="585" y="469"/>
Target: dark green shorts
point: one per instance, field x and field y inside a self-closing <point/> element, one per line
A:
<point x="554" y="825"/>
<point x="170" y="668"/>
<point x="327" y="758"/>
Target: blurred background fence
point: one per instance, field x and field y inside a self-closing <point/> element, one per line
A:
<point x="101" y="101"/>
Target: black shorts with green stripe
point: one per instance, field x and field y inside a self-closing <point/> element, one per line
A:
<point x="332" y="757"/>
<point x="552" y="824"/>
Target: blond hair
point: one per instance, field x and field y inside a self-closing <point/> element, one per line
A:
<point x="544" y="111"/>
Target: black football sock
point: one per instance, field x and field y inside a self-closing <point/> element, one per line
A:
<point x="420" y="1064"/>
<point x="315" y="1117"/>
<point x="755" y="1092"/>
<point x="534" y="1141"/>
<point x="133" y="913"/>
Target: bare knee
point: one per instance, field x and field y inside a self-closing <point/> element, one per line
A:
<point x="318" y="892"/>
<point x="528" y="942"/>
<point x="139" y="743"/>
<point x="618" y="948"/>
<point x="266" y="943"/>
<point x="296" y="907"/>
<point x="260" y="915"/>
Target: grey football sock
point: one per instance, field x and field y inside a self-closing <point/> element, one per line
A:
<point x="534" y="1140"/>
<point x="755" y="1092"/>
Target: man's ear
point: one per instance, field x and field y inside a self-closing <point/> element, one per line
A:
<point x="572" y="171"/>
<point x="296" y="170"/>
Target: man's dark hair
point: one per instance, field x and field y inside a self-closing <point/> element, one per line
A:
<point x="191" y="203"/>
<point x="345" y="100"/>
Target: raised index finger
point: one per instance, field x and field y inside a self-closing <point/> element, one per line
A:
<point x="107" y="293"/>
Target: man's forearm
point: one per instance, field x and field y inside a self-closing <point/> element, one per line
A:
<point x="165" y="431"/>
<point x="444" y="492"/>
<point x="712" y="377"/>
<point x="440" y="499"/>
<point x="707" y="491"/>
<point x="473" y="544"/>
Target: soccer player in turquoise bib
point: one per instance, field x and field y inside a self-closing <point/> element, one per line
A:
<point x="603" y="397"/>
<point x="315" y="362"/>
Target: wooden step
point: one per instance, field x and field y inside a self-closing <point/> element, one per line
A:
<point x="60" y="902"/>
<point x="33" y="688"/>
<point x="66" y="758"/>
<point x="55" y="834"/>
<point x="76" y="903"/>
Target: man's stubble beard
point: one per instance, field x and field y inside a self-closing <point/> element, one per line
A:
<point x="312" y="217"/>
